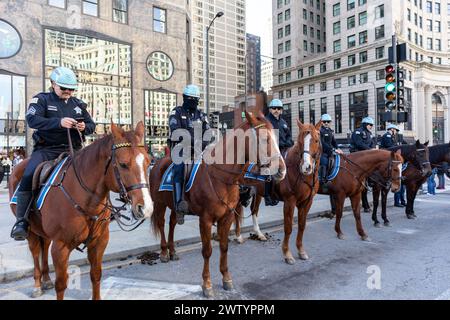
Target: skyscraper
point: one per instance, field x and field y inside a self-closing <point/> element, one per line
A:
<point x="253" y="63"/>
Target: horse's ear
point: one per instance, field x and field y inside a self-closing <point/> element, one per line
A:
<point x="140" y="130"/>
<point x="426" y="143"/>
<point x="299" y="124"/>
<point x="399" y="152"/>
<point x="319" y="125"/>
<point x="250" y="118"/>
<point x="418" y="143"/>
<point x="116" y="131"/>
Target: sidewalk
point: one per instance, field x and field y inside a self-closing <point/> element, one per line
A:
<point x="16" y="261"/>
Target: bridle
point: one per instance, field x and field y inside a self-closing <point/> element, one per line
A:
<point x="420" y="166"/>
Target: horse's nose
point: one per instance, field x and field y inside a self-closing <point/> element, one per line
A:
<point x="139" y="212"/>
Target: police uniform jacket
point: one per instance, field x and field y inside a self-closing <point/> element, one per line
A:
<point x="45" y="113"/>
<point x="182" y="118"/>
<point x="362" y="140"/>
<point x="285" y="136"/>
<point x="328" y="142"/>
<point x="388" y="141"/>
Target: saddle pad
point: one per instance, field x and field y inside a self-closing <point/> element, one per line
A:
<point x="45" y="189"/>
<point x="405" y="166"/>
<point x="252" y="176"/>
<point x="336" y="167"/>
<point x="166" y="184"/>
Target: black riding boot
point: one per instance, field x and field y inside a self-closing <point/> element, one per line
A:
<point x="19" y="231"/>
<point x="181" y="205"/>
<point x="267" y="198"/>
<point x="323" y="174"/>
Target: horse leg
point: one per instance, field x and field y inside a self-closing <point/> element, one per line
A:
<point x="237" y="222"/>
<point x="47" y="281"/>
<point x="411" y="192"/>
<point x="376" y="198"/>
<point x="356" y="206"/>
<point x="302" y="214"/>
<point x="173" y="223"/>
<point x="160" y="211"/>
<point x="339" y="202"/>
<point x="60" y="256"/>
<point x="288" y="222"/>
<point x="223" y="229"/>
<point x="384" y="195"/>
<point x="205" y="232"/>
<point x="35" y="247"/>
<point x="255" y="211"/>
<point x="96" y="250"/>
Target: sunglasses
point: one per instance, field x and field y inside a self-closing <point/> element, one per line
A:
<point x="328" y="122"/>
<point x="277" y="109"/>
<point x="66" y="89"/>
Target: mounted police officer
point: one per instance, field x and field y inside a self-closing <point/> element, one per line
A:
<point x="389" y="139"/>
<point x="51" y="114"/>
<point x="284" y="138"/>
<point x="362" y="140"/>
<point x="185" y="117"/>
<point x="329" y="146"/>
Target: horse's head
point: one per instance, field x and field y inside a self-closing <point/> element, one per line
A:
<point x="129" y="162"/>
<point x="263" y="147"/>
<point x="395" y="170"/>
<point x="309" y="146"/>
<point x="421" y="158"/>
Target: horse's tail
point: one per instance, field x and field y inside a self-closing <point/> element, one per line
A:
<point x="156" y="216"/>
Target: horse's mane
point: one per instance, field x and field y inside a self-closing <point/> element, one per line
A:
<point x="438" y="152"/>
<point x="87" y="157"/>
<point x="407" y="149"/>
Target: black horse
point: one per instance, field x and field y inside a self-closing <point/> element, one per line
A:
<point x="438" y="155"/>
<point x="415" y="155"/>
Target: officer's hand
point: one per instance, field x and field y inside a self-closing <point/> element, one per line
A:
<point x="68" y="123"/>
<point x="81" y="126"/>
<point x="339" y="151"/>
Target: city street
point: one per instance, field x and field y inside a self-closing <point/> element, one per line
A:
<point x="409" y="260"/>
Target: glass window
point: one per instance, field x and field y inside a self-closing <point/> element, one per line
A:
<point x="351" y="60"/>
<point x="363" y="18"/>
<point x="120" y="11"/>
<point x="380" y="74"/>
<point x="301" y="111"/>
<point x="363" y="57"/>
<point x="323" y="106"/>
<point x="10" y="40"/>
<point x="159" y="20"/>
<point x="323" y="86"/>
<point x="337" y="27"/>
<point x="351" y="41"/>
<point x="351" y="22"/>
<point x="337" y="64"/>
<point x="311" y="71"/>
<point x="350" y="4"/>
<point x="312" y="111"/>
<point x="57" y="3"/>
<point x="337" y="46"/>
<point x="336" y="9"/>
<point x="363" y="38"/>
<point x="352" y="80"/>
<point x="160" y="66"/>
<point x="312" y="88"/>
<point x="90" y="7"/>
<point x="337" y="83"/>
<point x="379" y="32"/>
<point x="379" y="12"/>
<point x="338" y="113"/>
<point x="300" y="91"/>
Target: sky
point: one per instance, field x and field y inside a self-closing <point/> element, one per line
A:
<point x="259" y="17"/>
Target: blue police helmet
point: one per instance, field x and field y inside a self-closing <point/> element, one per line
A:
<point x="64" y="77"/>
<point x="192" y="91"/>
<point x="326" y="117"/>
<point x="368" y="120"/>
<point x="276" y="103"/>
<point x="393" y="126"/>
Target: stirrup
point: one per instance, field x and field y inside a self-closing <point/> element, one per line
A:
<point x="21" y="235"/>
<point x="182" y="209"/>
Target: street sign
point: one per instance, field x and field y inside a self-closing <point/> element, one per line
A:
<point x="401" y="53"/>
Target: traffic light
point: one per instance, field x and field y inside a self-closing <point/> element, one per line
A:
<point x="390" y="88"/>
<point x="402" y="116"/>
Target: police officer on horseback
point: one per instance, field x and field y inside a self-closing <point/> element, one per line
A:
<point x="185" y="117"/>
<point x="51" y="114"/>
<point x="284" y="138"/>
<point x="329" y="147"/>
<point x="389" y="138"/>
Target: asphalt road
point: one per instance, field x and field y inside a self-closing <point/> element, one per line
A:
<point x="409" y="260"/>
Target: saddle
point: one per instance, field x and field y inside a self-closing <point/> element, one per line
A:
<point x="331" y="163"/>
<point x="44" y="170"/>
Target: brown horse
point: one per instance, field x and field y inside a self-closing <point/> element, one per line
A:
<point x="214" y="195"/>
<point x="355" y="168"/>
<point x="77" y="209"/>
<point x="416" y="155"/>
<point x="297" y="190"/>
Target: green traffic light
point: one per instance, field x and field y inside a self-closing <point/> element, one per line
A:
<point x="390" y="87"/>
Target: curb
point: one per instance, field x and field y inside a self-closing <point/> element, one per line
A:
<point x="115" y="256"/>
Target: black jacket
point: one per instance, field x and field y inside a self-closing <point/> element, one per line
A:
<point x="285" y="136"/>
<point x="182" y="118"/>
<point x="362" y="140"/>
<point x="388" y="141"/>
<point x="45" y="113"/>
<point x="328" y="142"/>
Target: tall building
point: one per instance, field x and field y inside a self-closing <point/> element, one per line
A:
<point x="131" y="58"/>
<point x="253" y="63"/>
<point x="267" y="75"/>
<point x="227" y="50"/>
<point x="347" y="80"/>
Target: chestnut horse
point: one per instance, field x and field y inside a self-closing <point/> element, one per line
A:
<point x="355" y="168"/>
<point x="215" y="195"/>
<point x="416" y="155"/>
<point x="77" y="209"/>
<point x="297" y="190"/>
<point x="415" y="178"/>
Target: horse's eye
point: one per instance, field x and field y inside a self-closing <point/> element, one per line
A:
<point x="123" y="165"/>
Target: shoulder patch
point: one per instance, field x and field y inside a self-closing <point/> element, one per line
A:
<point x="173" y="122"/>
<point x="358" y="132"/>
<point x="389" y="136"/>
<point x="173" y="113"/>
<point x="31" y="111"/>
<point x="34" y="100"/>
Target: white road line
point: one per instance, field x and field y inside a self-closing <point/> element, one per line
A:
<point x="433" y="201"/>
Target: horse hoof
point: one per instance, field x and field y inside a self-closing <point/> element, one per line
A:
<point x="290" y="261"/>
<point x="262" y="238"/>
<point x="174" y="257"/>
<point x="208" y="292"/>
<point x="215" y="237"/>
<point x="37" y="292"/>
<point x="366" y="238"/>
<point x="387" y="224"/>
<point x="303" y="256"/>
<point x="228" y="285"/>
<point x="240" y="240"/>
<point x="164" y="259"/>
<point x="48" y="285"/>
<point x="341" y="237"/>
<point x="411" y="217"/>
<point x="377" y="225"/>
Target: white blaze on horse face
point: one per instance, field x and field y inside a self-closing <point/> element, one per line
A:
<point x="400" y="167"/>
<point x="307" y="159"/>
<point x="148" y="202"/>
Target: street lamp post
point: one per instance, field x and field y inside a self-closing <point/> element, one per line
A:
<point x="218" y="15"/>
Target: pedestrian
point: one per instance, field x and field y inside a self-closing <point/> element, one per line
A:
<point x="2" y="169"/>
<point x="6" y="164"/>
<point x="442" y="169"/>
<point x="17" y="158"/>
<point x="432" y="183"/>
